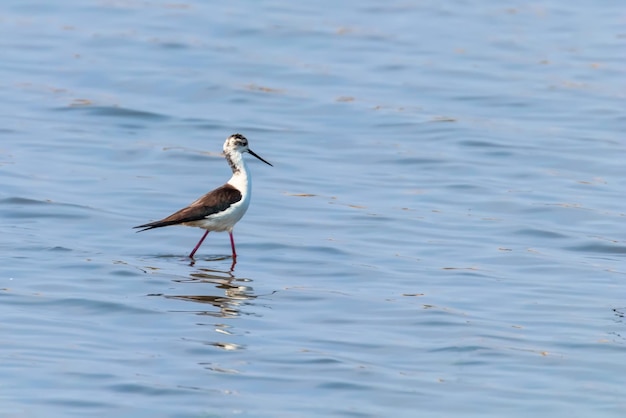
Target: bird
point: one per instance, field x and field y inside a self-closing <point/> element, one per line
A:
<point x="220" y="209"/>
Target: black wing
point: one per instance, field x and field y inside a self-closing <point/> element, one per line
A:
<point x="215" y="201"/>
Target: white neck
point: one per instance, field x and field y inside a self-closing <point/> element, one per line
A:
<point x="241" y="178"/>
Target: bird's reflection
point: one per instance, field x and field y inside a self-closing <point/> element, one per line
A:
<point x="232" y="265"/>
<point x="236" y="292"/>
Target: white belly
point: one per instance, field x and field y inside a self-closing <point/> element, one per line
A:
<point x="226" y="220"/>
<point x="223" y="221"/>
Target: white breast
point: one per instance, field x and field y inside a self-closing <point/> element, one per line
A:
<point x="226" y="220"/>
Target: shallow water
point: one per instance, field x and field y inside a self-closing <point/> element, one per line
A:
<point x="442" y="233"/>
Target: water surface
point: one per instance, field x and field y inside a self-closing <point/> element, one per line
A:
<point x="442" y="233"/>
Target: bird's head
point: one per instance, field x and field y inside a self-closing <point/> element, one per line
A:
<point x="238" y="143"/>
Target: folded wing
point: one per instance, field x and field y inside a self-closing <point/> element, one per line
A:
<point x="211" y="203"/>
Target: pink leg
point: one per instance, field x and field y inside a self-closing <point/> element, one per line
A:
<point x="232" y="244"/>
<point x="198" y="244"/>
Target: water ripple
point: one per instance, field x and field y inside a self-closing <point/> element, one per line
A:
<point x="115" y="112"/>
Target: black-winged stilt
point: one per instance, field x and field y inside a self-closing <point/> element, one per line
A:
<point x="220" y="209"/>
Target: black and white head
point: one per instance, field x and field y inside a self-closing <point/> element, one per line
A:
<point x="238" y="144"/>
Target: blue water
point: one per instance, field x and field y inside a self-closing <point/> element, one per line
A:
<point x="442" y="233"/>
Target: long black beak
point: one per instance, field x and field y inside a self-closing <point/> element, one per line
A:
<point x="252" y="153"/>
